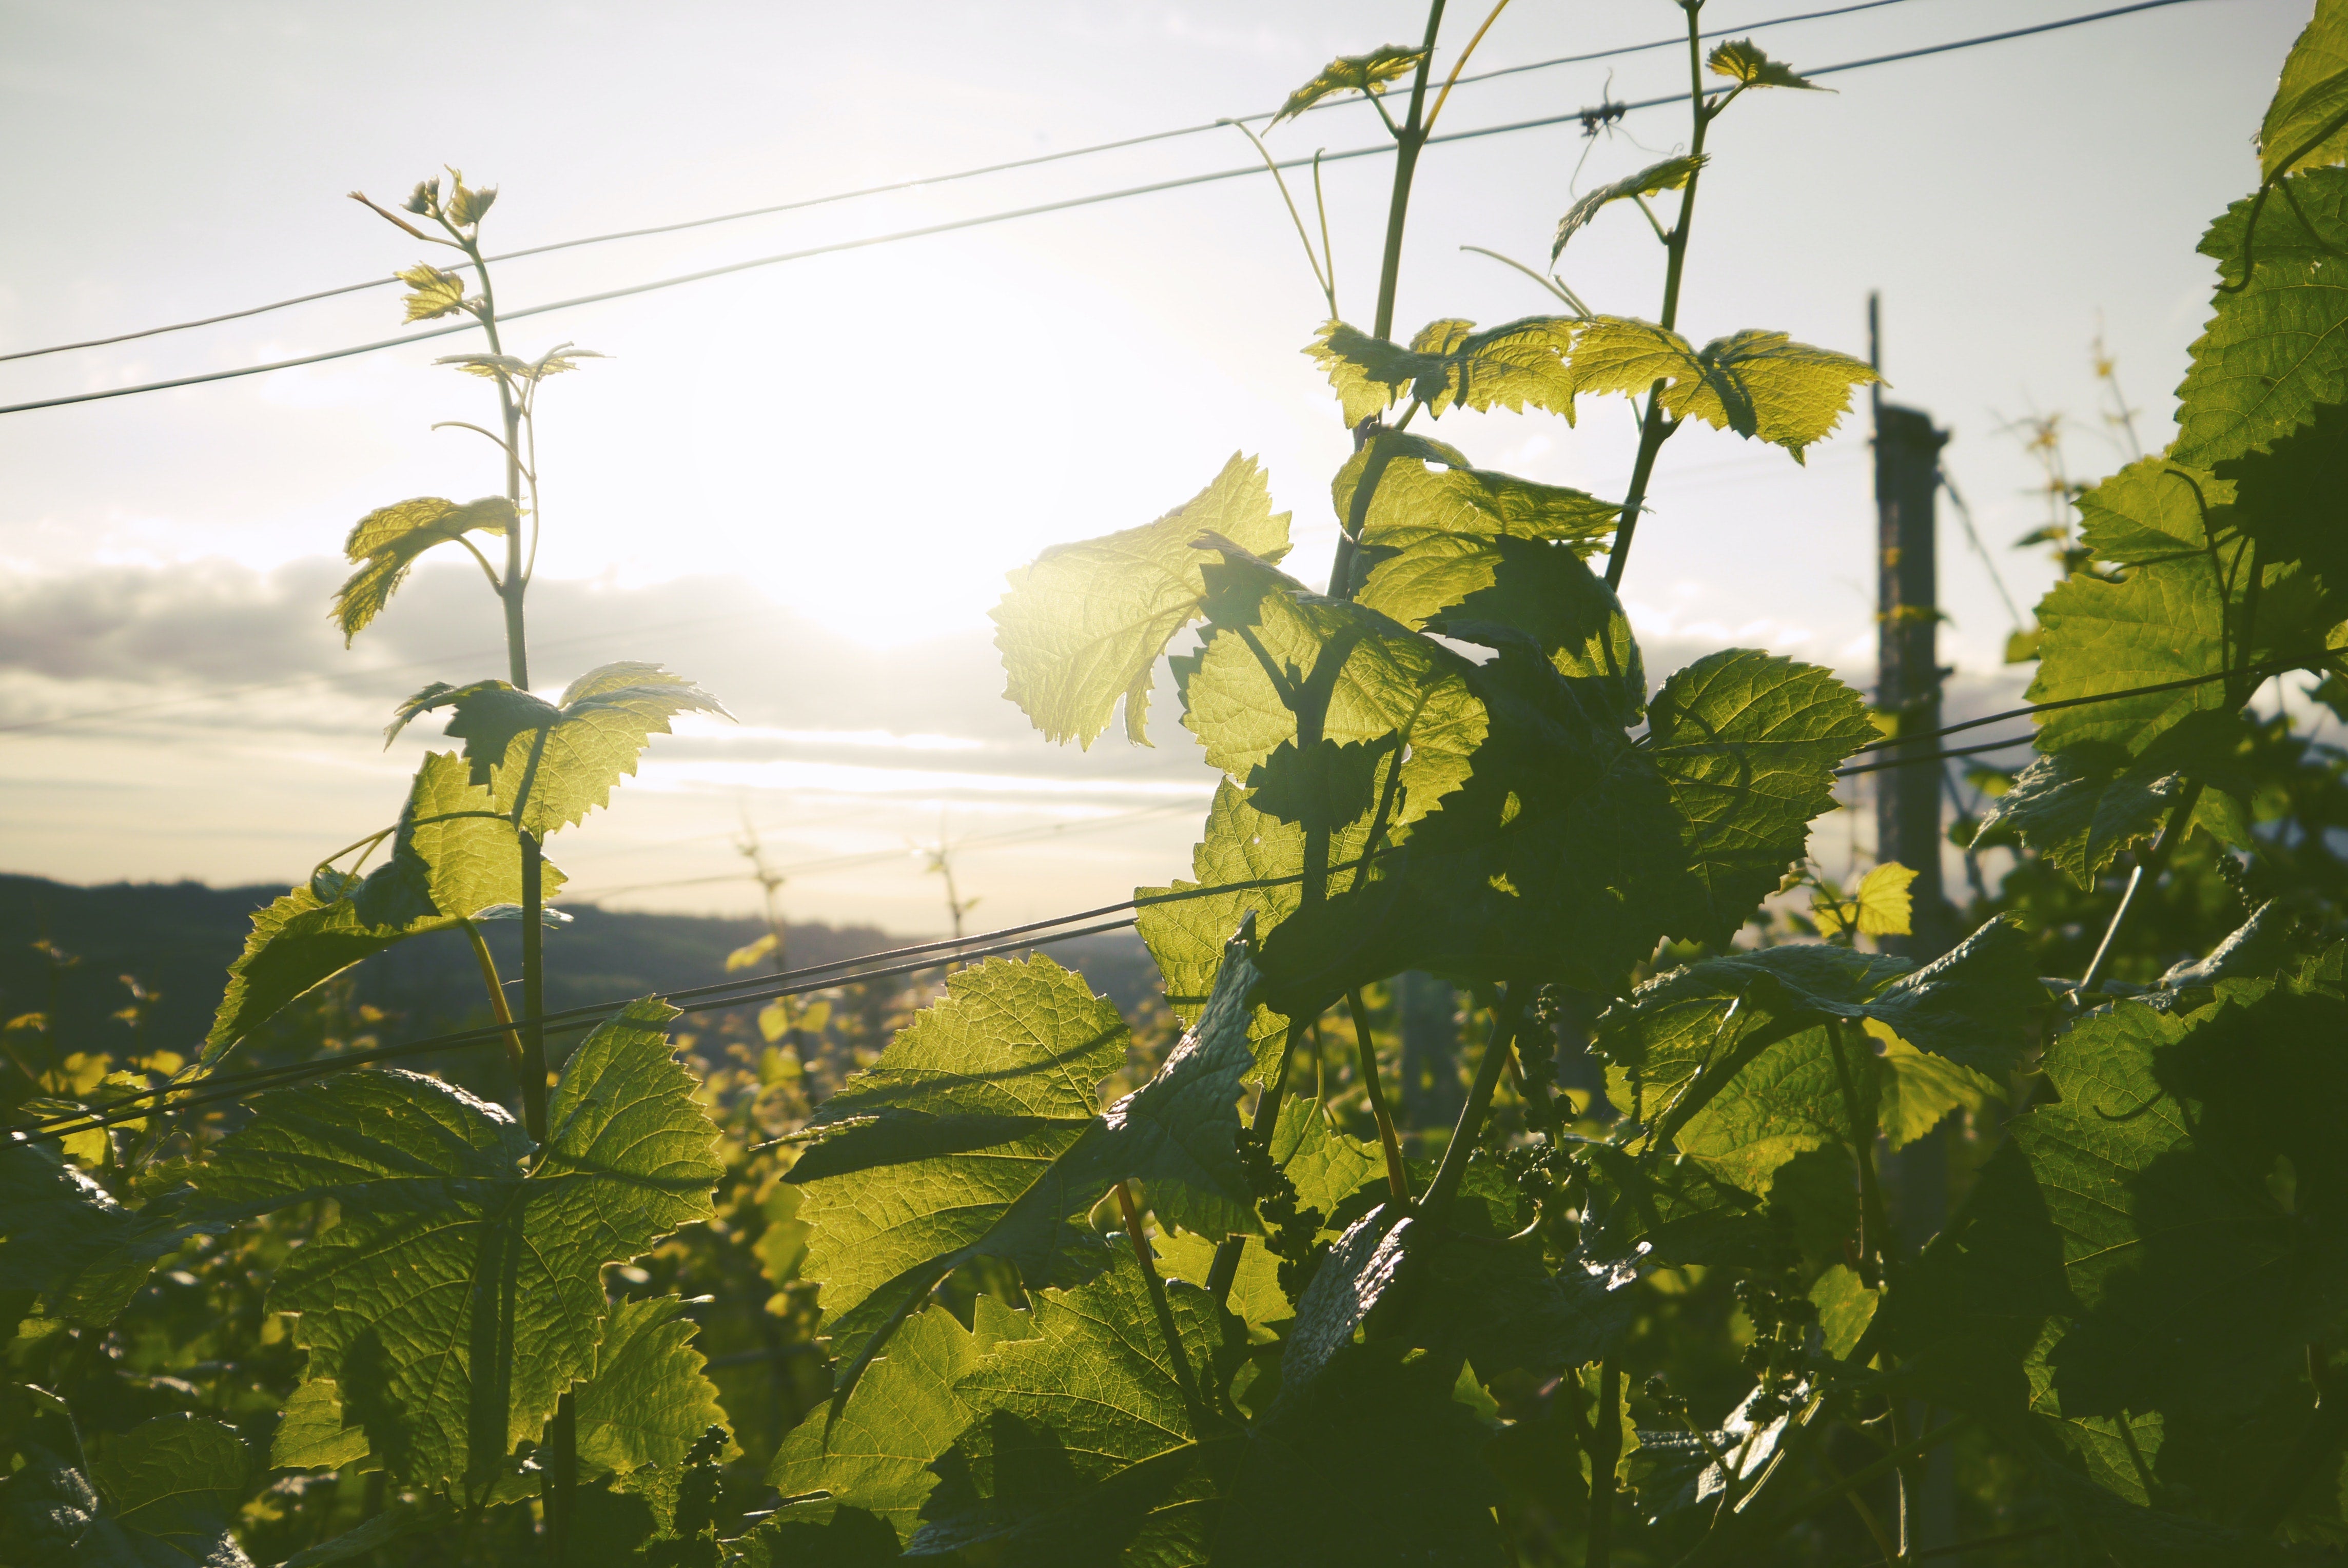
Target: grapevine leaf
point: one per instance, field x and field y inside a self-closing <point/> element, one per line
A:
<point x="1376" y="1463"/>
<point x="1365" y="1262"/>
<point x="1972" y="1006"/>
<point x="2171" y="621"/>
<point x="2154" y="509"/>
<point x="1324" y="1164"/>
<point x="2164" y="1151"/>
<point x="1501" y="1307"/>
<point x="1542" y="596"/>
<point x="1758" y="384"/>
<point x="1879" y="906"/>
<point x="872" y="1452"/>
<point x="1428" y="537"/>
<point x="547" y="765"/>
<point x="461" y="1291"/>
<point x="1255" y="1297"/>
<point x="64" y="1236"/>
<point x="176" y="1479"/>
<point x="402" y="1519"/>
<point x="1784" y="1101"/>
<point x="2290" y="497"/>
<point x="1916" y="1088"/>
<point x="645" y="1400"/>
<point x="977" y="1134"/>
<point x="453" y="856"/>
<point x="1367" y="373"/>
<point x="1546" y="865"/>
<point x="2278" y="345"/>
<point x="2080" y="808"/>
<point x="1846" y="1306"/>
<point x="169" y="1490"/>
<point x="435" y="294"/>
<point x="1671" y="174"/>
<point x="2100" y="1440"/>
<point x="388" y="540"/>
<point x="817" y="1536"/>
<point x="1367" y="72"/>
<point x="1243" y="848"/>
<point x="1277" y="646"/>
<point x="1749" y="743"/>
<point x="1672" y="1213"/>
<point x="1515" y="365"/>
<point x="2312" y="95"/>
<point x="1743" y="62"/>
<point x="310" y="1434"/>
<point x="1085" y="624"/>
<point x="1089" y="1442"/>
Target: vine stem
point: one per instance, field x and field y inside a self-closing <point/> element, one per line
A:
<point x="1226" y="1266"/>
<point x="496" y="994"/>
<point x="1875" y="1225"/>
<point x="1507" y="1014"/>
<point x="1409" y="138"/>
<point x="561" y="1481"/>
<point x="1365" y="1044"/>
<point x="2180" y="821"/>
<point x="1654" y="428"/>
<point x="1605" y="1453"/>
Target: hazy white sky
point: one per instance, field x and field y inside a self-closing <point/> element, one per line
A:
<point x="802" y="485"/>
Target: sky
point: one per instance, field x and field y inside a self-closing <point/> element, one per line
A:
<point x="801" y="485"/>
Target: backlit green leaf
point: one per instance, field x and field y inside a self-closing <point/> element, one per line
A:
<point x="388" y="540"/>
<point x="2079" y="808"/>
<point x="1084" y="625"/>
<point x="2303" y="126"/>
<point x="1745" y="64"/>
<point x="65" y="1237"/>
<point x="2153" y="509"/>
<point x="1089" y="1438"/>
<point x="547" y="765"/>
<point x="872" y="1453"/>
<point x="310" y="1434"/>
<point x="1541" y="596"/>
<point x="435" y="293"/>
<point x="1367" y="72"/>
<point x="1749" y="743"/>
<point x="1671" y="174"/>
<point x="1516" y="365"/>
<point x="645" y="1400"/>
<point x="166" y="1493"/>
<point x="1367" y="373"/>
<point x="453" y="856"/>
<point x="1758" y="384"/>
<point x="978" y="1133"/>
<point x="2278" y="347"/>
<point x="1427" y="539"/>
<point x="461" y="1291"/>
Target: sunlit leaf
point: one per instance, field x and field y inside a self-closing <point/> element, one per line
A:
<point x="1084" y="625"/>
<point x="1749" y="743"/>
<point x="437" y="293"/>
<point x="547" y="765"/>
<point x="1367" y="72"/>
<point x="453" y="856"/>
<point x="1761" y="384"/>
<point x="461" y="1291"/>
<point x="388" y="540"/>
<point x="1368" y="374"/>
<point x="2277" y="348"/>
<point x="1879" y="907"/>
<point x="1671" y="174"/>
<point x="1743" y="63"/>
<point x="2312" y="95"/>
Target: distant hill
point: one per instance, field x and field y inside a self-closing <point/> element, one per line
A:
<point x="182" y="937"/>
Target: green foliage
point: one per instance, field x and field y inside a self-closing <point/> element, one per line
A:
<point x="1367" y="72"/>
<point x="386" y="542"/>
<point x="1085" y="624"/>
<point x="1625" y="1315"/>
<point x="454" y="855"/>
<point x="1671" y="174"/>
<point x="458" y="1296"/>
<point x="547" y="765"/>
<point x="2307" y="124"/>
<point x="1747" y="67"/>
<point x="2277" y="348"/>
<point x="1758" y="384"/>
